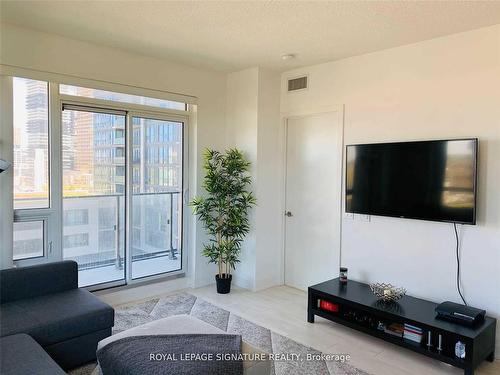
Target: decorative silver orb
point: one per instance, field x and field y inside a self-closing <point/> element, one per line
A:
<point x="387" y="292"/>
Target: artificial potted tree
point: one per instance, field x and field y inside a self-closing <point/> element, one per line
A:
<point x="224" y="210"/>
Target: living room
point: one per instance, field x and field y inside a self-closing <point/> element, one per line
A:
<point x="119" y="121"/>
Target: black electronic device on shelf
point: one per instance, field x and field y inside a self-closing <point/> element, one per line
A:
<point x="460" y="314"/>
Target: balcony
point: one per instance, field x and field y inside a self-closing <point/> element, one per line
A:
<point x="94" y="236"/>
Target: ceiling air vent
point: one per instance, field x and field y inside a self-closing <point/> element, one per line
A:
<point x="297" y="84"/>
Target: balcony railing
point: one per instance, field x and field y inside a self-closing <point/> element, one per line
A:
<point x="101" y="220"/>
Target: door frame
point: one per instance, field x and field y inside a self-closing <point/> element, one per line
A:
<point x="339" y="110"/>
<point x="130" y="110"/>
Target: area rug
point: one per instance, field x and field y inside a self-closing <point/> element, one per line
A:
<point x="129" y="316"/>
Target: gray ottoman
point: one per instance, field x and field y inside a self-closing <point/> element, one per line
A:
<point x="185" y="324"/>
<point x="21" y="355"/>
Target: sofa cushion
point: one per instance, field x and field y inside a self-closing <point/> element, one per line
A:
<point x="35" y="281"/>
<point x="56" y="317"/>
<point x="187" y="324"/>
<point x="21" y="355"/>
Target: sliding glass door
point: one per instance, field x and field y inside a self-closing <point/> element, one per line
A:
<point x="93" y="160"/>
<point x="157" y="175"/>
<point x="95" y="205"/>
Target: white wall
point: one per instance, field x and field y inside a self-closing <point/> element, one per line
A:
<point x="36" y="50"/>
<point x="269" y="211"/>
<point x="443" y="88"/>
<point x="253" y="124"/>
<point x="241" y="129"/>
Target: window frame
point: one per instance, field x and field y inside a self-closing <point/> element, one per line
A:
<point x="47" y="215"/>
<point x="122" y="103"/>
<point x="52" y="217"/>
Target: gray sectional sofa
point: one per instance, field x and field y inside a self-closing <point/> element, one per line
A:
<point x="21" y="355"/>
<point x="45" y="303"/>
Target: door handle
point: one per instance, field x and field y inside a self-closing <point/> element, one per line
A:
<point x="288" y="214"/>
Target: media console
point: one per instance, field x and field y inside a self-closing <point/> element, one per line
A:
<point x="355" y="306"/>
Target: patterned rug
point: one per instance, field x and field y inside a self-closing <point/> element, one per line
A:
<point x="129" y="316"/>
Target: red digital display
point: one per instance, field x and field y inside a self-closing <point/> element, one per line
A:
<point x="328" y="306"/>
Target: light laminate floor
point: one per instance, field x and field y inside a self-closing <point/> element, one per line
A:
<point x="283" y="310"/>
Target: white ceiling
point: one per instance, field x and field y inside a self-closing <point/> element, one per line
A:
<point x="228" y="36"/>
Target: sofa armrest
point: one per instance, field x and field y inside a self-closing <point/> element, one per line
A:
<point x="39" y="280"/>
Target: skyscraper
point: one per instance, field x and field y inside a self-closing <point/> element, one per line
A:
<point x="31" y="132"/>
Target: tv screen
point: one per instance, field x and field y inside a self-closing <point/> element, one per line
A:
<point x="428" y="180"/>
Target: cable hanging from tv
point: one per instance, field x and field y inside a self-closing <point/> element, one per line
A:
<point x="458" y="262"/>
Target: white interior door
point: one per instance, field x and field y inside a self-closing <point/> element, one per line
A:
<point x="313" y="199"/>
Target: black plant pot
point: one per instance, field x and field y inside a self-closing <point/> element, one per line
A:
<point x="223" y="283"/>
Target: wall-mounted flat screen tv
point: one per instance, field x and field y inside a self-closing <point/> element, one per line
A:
<point x="428" y="180"/>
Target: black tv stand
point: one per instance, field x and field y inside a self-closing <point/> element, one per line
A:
<point x="358" y="308"/>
